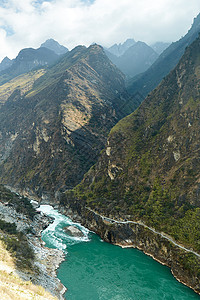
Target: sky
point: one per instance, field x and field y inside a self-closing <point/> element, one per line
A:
<point x="28" y="23"/>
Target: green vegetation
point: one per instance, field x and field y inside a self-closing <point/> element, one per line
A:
<point x="17" y="244"/>
<point x="8" y="227"/>
<point x="18" y="288"/>
<point x="20" y="203"/>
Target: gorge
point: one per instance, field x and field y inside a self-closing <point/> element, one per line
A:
<point x="71" y="136"/>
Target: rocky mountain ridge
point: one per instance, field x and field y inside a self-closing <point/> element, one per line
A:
<point x="5" y="63"/>
<point x="30" y="59"/>
<point x="57" y="128"/>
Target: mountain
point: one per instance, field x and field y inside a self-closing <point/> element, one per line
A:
<point x="147" y="81"/>
<point x="135" y="60"/>
<point x="149" y="174"/>
<point x="56" y="129"/>
<point x="5" y="63"/>
<point x="120" y="49"/>
<point x="53" y="45"/>
<point x="27" y="60"/>
<point x="159" y="47"/>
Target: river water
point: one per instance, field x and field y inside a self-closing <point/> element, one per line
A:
<point x="95" y="270"/>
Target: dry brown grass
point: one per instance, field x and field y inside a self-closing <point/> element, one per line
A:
<point x="12" y="286"/>
<point x="23" y="82"/>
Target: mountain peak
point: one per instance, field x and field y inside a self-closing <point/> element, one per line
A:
<point x="135" y="60"/>
<point x="120" y="49"/>
<point x="5" y="63"/>
<point x="54" y="46"/>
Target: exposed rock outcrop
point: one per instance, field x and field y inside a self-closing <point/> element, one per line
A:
<point x="73" y="231"/>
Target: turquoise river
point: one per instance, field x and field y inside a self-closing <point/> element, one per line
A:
<point x="95" y="270"/>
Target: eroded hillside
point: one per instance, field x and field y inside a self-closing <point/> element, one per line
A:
<point x="51" y="135"/>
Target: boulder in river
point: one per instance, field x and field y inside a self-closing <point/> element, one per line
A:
<point x="73" y="231"/>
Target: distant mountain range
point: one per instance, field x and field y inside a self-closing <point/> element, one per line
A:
<point x="120" y="49"/>
<point x="132" y="57"/>
<point x="135" y="59"/>
<point x="29" y="59"/>
<point x="159" y="47"/>
<point x="6" y="63"/>
<point x="146" y="82"/>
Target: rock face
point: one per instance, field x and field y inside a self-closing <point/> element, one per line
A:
<point x="149" y="171"/>
<point x="73" y="231"/>
<point x="147" y="81"/>
<point x="56" y="130"/>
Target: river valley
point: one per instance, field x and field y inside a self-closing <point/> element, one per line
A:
<point x="96" y="270"/>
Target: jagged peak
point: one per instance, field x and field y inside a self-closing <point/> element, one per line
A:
<point x="54" y="46"/>
<point x="6" y="59"/>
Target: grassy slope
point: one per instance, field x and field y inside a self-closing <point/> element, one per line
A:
<point x="12" y="286"/>
<point x="23" y="82"/>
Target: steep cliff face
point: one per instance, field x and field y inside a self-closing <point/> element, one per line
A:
<point x="149" y="171"/>
<point x="52" y="134"/>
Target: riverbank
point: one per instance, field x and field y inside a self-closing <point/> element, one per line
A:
<point x="133" y="234"/>
<point x="184" y="263"/>
<point x="43" y="271"/>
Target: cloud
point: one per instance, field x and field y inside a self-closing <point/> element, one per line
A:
<point x="28" y="23"/>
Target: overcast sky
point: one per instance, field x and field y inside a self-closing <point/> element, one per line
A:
<point x="28" y="23"/>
